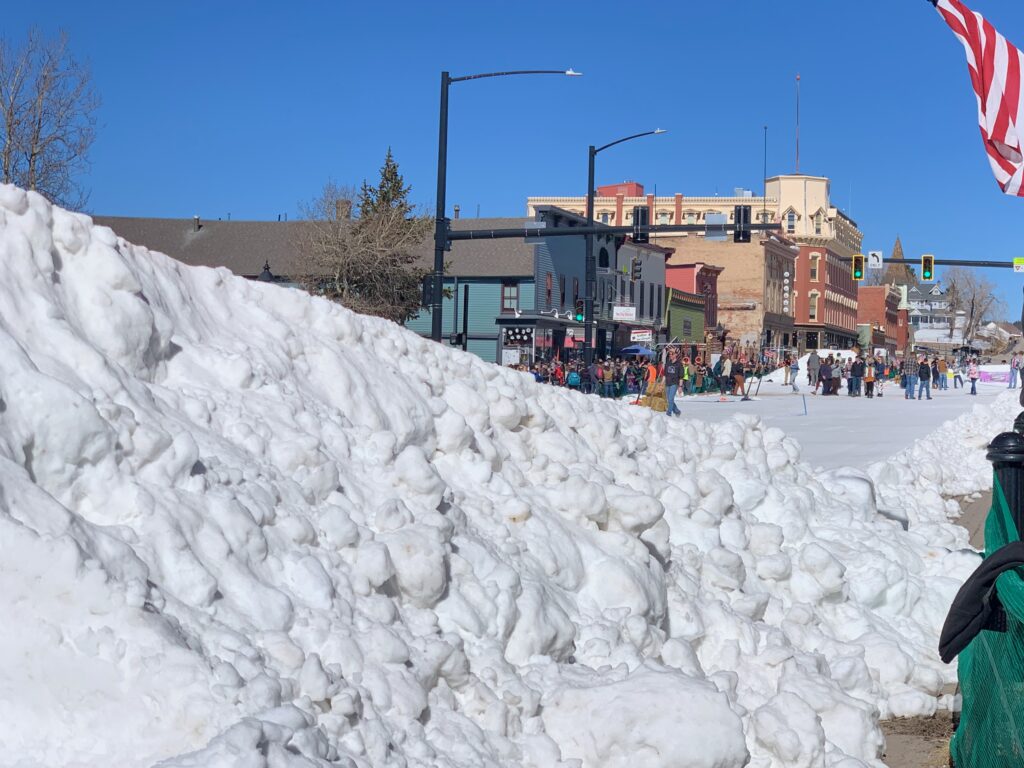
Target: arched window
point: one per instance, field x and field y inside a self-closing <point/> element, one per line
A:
<point x="815" y="261"/>
<point x="817" y="223"/>
<point x="602" y="258"/>
<point x="791" y="222"/>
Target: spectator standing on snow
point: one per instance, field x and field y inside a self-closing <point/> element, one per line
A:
<point x="958" y="374"/>
<point x="593" y="379"/>
<point x="910" y="368"/>
<point x="813" y="369"/>
<point x="857" y="374"/>
<point x="924" y="375"/>
<point x="943" y="373"/>
<point x="869" y="379"/>
<point x="673" y="371"/>
<point x="935" y="373"/>
<point x="973" y="375"/>
<point x="824" y="378"/>
<point x="725" y="383"/>
<point x="881" y="370"/>
<point x="1014" y="371"/>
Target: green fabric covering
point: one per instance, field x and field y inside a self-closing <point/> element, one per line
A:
<point x="991" y="730"/>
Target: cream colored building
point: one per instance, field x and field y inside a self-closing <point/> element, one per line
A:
<point x="822" y="304"/>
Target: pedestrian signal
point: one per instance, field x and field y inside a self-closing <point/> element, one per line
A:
<point x="928" y="268"/>
<point x="579" y="311"/>
<point x="858" y="266"/>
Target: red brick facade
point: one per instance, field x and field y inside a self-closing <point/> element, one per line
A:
<point x="878" y="306"/>
<point x="826" y="299"/>
<point x="698" y="278"/>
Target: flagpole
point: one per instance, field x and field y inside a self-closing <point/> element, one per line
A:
<point x="798" y="123"/>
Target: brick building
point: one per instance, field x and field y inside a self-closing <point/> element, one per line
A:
<point x="753" y="282"/>
<point x="700" y="279"/>
<point x="878" y="308"/>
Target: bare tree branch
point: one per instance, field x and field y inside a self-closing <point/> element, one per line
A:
<point x="368" y="264"/>
<point x="47" y="118"/>
<point x="973" y="296"/>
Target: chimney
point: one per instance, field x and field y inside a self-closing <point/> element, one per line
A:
<point x="195" y="223"/>
<point x="343" y="210"/>
<point x="457" y="209"/>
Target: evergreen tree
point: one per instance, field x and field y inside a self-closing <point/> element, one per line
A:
<point x="390" y="194"/>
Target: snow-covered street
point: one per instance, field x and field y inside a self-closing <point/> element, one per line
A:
<point x="244" y="526"/>
<point x="843" y="431"/>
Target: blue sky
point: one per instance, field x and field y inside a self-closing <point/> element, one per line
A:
<point x="213" y="108"/>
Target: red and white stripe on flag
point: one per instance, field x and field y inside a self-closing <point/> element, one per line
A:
<point x="996" y="68"/>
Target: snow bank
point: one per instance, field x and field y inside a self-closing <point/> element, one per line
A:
<point x="243" y="526"/>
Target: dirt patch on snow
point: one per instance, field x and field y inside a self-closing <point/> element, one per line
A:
<point x="918" y="742"/>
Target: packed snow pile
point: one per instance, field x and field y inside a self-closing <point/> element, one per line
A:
<point x="948" y="463"/>
<point x="244" y="526"/>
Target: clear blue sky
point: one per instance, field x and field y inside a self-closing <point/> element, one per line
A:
<point x="247" y="108"/>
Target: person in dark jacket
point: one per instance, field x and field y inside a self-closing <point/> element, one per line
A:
<point x="825" y="377"/>
<point x="856" y="376"/>
<point x="924" y="374"/>
<point x="673" y="375"/>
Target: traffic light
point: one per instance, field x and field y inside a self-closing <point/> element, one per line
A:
<point x="858" y="266"/>
<point x="580" y="307"/>
<point x="641" y="218"/>
<point x="741" y="216"/>
<point x="928" y="268"/>
<point x="638" y="270"/>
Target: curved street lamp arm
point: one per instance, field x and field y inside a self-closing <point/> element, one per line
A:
<point x="629" y="138"/>
<point x="568" y="72"/>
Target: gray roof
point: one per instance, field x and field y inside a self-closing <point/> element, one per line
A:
<point x="241" y="246"/>
<point x="506" y="257"/>
<point x="244" y="246"/>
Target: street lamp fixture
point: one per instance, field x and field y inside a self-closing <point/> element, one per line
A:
<point x="440" y="223"/>
<point x="591" y="265"/>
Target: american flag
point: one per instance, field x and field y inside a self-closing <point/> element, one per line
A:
<point x="995" y="67"/>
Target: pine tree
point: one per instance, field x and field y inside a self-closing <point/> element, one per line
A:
<point x="390" y="194"/>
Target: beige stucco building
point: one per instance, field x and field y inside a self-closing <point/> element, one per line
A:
<point x="822" y="298"/>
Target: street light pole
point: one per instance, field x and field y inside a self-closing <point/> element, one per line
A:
<point x="590" y="265"/>
<point x="440" y="226"/>
<point x="590" y="289"/>
<point x="440" y="222"/>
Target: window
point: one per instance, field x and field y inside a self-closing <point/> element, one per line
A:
<point x="549" y="284"/>
<point x="632" y="291"/>
<point x="602" y="258"/>
<point x="817" y="223"/>
<point x="622" y="288"/>
<point x="575" y="290"/>
<point x="687" y="327"/>
<point x="663" y="218"/>
<point x="604" y="217"/>
<point x="791" y="222"/>
<point x="691" y="218"/>
<point x="812" y="306"/>
<point x="561" y="291"/>
<point x="509" y="297"/>
<point x="640" y="312"/>
<point x="661" y="294"/>
<point x="815" y="261"/>
<point x="650" y="304"/>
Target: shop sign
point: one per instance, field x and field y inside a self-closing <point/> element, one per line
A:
<point x="637" y="336"/>
<point x="623" y="314"/>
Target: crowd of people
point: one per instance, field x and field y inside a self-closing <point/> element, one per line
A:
<point x="916" y="375"/>
<point x="862" y="375"/>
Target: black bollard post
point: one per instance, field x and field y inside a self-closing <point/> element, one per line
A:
<point x="1006" y="452"/>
